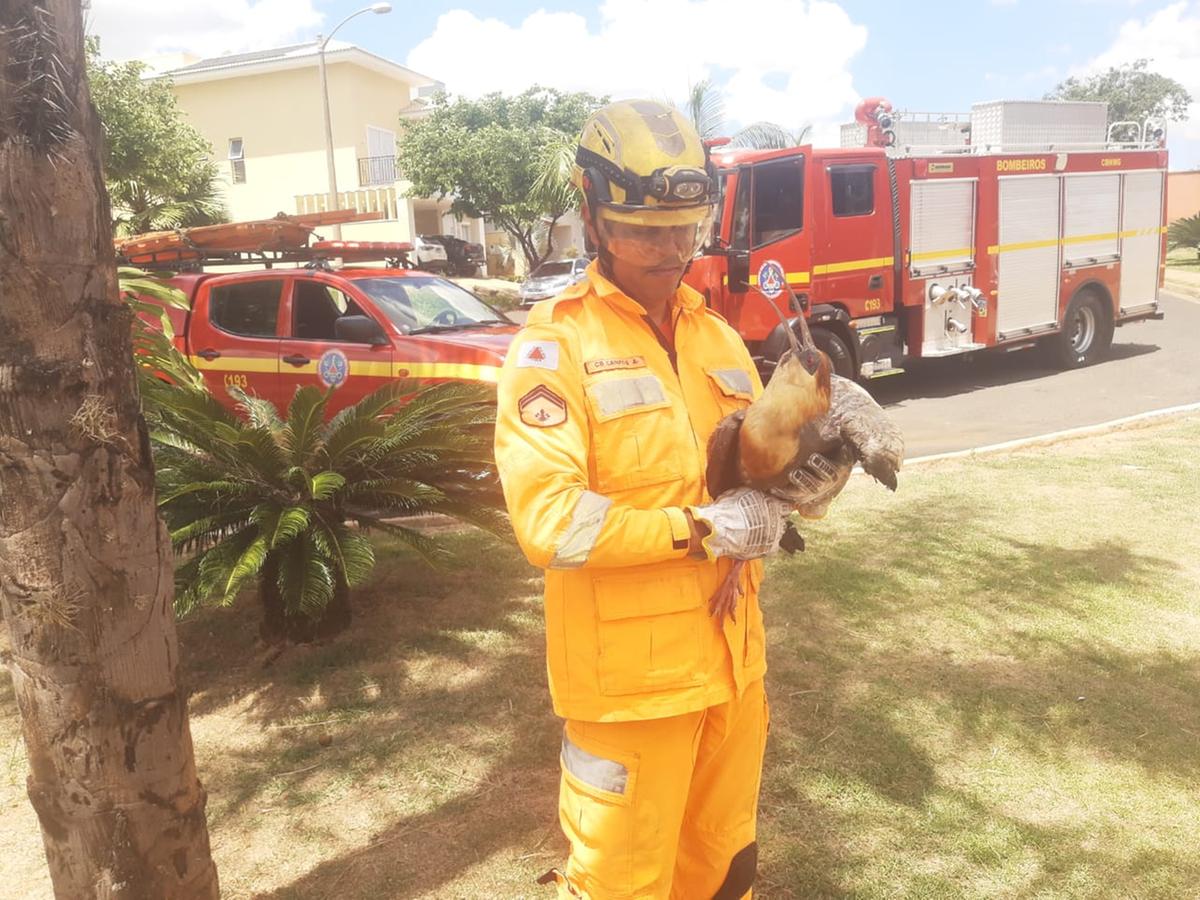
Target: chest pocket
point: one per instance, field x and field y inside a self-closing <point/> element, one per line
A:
<point x="732" y="388"/>
<point x="633" y="432"/>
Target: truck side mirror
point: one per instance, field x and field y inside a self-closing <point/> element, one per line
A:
<point x="739" y="270"/>
<point x="359" y="330"/>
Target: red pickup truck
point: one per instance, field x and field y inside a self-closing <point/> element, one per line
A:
<point x="272" y="330"/>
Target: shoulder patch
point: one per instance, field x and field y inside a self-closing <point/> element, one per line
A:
<point x="592" y="366"/>
<point x="538" y="355"/>
<point x="542" y="408"/>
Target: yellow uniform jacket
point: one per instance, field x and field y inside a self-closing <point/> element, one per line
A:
<point x="600" y="443"/>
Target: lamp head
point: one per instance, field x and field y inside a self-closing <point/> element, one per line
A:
<point x="380" y="8"/>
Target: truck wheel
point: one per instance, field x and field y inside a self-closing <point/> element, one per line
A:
<point x="1086" y="333"/>
<point x="833" y="346"/>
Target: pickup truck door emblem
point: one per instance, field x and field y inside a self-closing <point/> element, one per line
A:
<point x="333" y="368"/>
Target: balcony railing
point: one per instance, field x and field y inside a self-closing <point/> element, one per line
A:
<point x="374" y="170"/>
<point x="379" y="199"/>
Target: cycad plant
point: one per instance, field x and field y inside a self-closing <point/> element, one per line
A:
<point x="1185" y="233"/>
<point x="290" y="500"/>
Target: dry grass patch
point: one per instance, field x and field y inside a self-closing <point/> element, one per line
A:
<point x="982" y="687"/>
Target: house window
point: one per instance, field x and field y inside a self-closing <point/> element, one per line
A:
<point x="237" y="161"/>
<point x="852" y="189"/>
<point x="379" y="165"/>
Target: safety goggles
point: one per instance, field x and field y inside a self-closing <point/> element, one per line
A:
<point x="657" y="238"/>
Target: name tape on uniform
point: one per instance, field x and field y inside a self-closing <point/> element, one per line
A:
<point x="592" y="366"/>
<point x="538" y="355"/>
<point x="542" y="408"/>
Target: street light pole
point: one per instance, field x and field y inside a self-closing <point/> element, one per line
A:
<point x="331" y="201"/>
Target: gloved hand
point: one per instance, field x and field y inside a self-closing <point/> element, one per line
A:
<point x="814" y="484"/>
<point x="743" y="523"/>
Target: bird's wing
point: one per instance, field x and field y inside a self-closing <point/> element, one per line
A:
<point x="862" y="423"/>
<point x="722" y="473"/>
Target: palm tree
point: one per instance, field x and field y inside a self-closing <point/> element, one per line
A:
<point x="552" y="189"/>
<point x="706" y="108"/>
<point x="1185" y="233"/>
<point x="288" y="501"/>
<point x="139" y="207"/>
<point x="769" y="136"/>
<point x="86" y="563"/>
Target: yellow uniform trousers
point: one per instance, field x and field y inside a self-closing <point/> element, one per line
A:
<point x="664" y="808"/>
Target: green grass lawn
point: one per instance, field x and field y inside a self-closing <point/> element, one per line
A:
<point x="986" y="685"/>
<point x="1184" y="258"/>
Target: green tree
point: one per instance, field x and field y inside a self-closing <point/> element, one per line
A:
<point x="1185" y="233"/>
<point x="489" y="157"/>
<point x="1132" y="92"/>
<point x="158" y="168"/>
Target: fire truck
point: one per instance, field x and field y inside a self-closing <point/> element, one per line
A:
<point x="1037" y="228"/>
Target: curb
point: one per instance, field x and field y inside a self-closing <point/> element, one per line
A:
<point x="1055" y="437"/>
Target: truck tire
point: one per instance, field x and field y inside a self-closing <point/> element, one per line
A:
<point x="1086" y="333"/>
<point x="835" y="347"/>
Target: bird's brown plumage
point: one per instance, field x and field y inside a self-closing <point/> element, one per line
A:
<point x="803" y="410"/>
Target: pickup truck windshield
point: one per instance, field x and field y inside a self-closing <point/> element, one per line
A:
<point x="415" y="303"/>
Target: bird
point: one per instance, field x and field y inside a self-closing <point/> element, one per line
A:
<point x="805" y="412"/>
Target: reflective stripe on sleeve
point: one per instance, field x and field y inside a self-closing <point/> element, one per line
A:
<point x="581" y="533"/>
<point x="595" y="771"/>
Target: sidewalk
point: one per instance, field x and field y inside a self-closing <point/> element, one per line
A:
<point x="1184" y="282"/>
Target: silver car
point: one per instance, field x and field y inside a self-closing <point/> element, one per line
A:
<point x="551" y="278"/>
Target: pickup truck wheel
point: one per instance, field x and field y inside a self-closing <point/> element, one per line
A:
<point x="833" y="346"/>
<point x="1086" y="332"/>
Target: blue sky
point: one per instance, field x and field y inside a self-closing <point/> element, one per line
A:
<point x="787" y="60"/>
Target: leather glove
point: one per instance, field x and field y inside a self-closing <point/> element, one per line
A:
<point x="743" y="523"/>
<point x="815" y="484"/>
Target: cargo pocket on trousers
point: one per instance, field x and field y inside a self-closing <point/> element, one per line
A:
<point x="650" y="632"/>
<point x="596" y="808"/>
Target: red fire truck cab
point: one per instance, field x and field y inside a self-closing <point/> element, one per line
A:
<point x="896" y="256"/>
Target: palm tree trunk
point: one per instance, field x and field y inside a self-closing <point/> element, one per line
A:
<point x="85" y="564"/>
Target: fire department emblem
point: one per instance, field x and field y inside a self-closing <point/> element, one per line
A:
<point x="333" y="368"/>
<point x="542" y="408"/>
<point x="771" y="279"/>
<point x="538" y="355"/>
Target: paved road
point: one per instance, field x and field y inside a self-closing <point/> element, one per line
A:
<point x="958" y="403"/>
<point x="962" y="402"/>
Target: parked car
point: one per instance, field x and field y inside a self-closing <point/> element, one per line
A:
<point x="430" y="255"/>
<point x="270" y="331"/>
<point x="552" y="278"/>
<point x="463" y="258"/>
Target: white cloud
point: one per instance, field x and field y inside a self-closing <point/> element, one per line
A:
<point x="786" y="61"/>
<point x="1170" y="39"/>
<point x="148" y="28"/>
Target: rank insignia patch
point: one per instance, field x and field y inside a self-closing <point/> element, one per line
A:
<point x="592" y="366"/>
<point x="538" y="355"/>
<point x="542" y="408"/>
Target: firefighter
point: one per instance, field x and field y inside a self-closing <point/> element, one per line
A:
<point x="606" y="402"/>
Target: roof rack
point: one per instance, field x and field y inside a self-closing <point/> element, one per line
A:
<point x="265" y="242"/>
<point x="395" y="255"/>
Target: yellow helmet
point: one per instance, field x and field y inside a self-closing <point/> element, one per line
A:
<point x="641" y="162"/>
